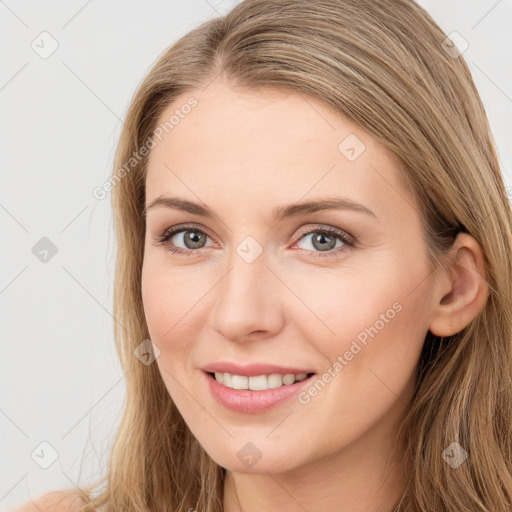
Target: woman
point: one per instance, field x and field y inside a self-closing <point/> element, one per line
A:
<point x="313" y="272"/>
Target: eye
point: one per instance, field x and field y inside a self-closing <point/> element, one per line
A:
<point x="322" y="240"/>
<point x="190" y="235"/>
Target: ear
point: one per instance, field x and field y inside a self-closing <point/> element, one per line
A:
<point x="462" y="291"/>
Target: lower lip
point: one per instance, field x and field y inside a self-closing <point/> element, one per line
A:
<point x="253" y="402"/>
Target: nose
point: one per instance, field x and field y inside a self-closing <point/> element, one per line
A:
<point x="247" y="301"/>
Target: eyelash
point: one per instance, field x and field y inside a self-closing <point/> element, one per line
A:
<point x="348" y="241"/>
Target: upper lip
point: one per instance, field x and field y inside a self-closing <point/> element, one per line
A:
<point x="252" y="370"/>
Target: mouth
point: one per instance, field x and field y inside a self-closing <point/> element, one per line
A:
<point x="244" y="399"/>
<point x="258" y="382"/>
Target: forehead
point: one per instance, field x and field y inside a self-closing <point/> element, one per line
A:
<point x="251" y="118"/>
<point x="271" y="144"/>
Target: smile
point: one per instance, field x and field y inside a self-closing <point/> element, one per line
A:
<point x="258" y="382"/>
<point x="253" y="401"/>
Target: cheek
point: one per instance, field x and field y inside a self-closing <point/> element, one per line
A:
<point x="370" y="365"/>
<point x="337" y="306"/>
<point x="172" y="300"/>
<point x="372" y="319"/>
<point x="171" y="305"/>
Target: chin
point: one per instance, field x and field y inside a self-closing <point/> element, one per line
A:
<point x="256" y="458"/>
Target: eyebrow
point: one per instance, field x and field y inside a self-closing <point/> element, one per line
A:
<point x="278" y="213"/>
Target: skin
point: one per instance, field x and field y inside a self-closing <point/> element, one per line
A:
<point x="243" y="153"/>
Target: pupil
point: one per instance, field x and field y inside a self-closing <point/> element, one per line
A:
<point x="194" y="239"/>
<point x="323" y="241"/>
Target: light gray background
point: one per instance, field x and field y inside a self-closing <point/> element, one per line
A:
<point x="61" y="116"/>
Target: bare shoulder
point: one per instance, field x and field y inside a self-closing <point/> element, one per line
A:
<point x="54" y="501"/>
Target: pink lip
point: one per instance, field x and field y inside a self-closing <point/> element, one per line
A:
<point x="253" y="402"/>
<point x="252" y="370"/>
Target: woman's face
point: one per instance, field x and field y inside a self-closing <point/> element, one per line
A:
<point x="260" y="282"/>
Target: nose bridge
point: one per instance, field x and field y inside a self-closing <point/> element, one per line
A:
<point x="247" y="266"/>
<point x="243" y="302"/>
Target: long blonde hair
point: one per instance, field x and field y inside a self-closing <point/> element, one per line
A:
<point x="382" y="64"/>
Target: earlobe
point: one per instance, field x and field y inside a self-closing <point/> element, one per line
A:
<point x="461" y="293"/>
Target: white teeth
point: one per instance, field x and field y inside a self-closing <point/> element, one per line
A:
<point x="275" y="380"/>
<point x="258" y="383"/>
<point x="288" y="379"/>
<point x="239" y="382"/>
